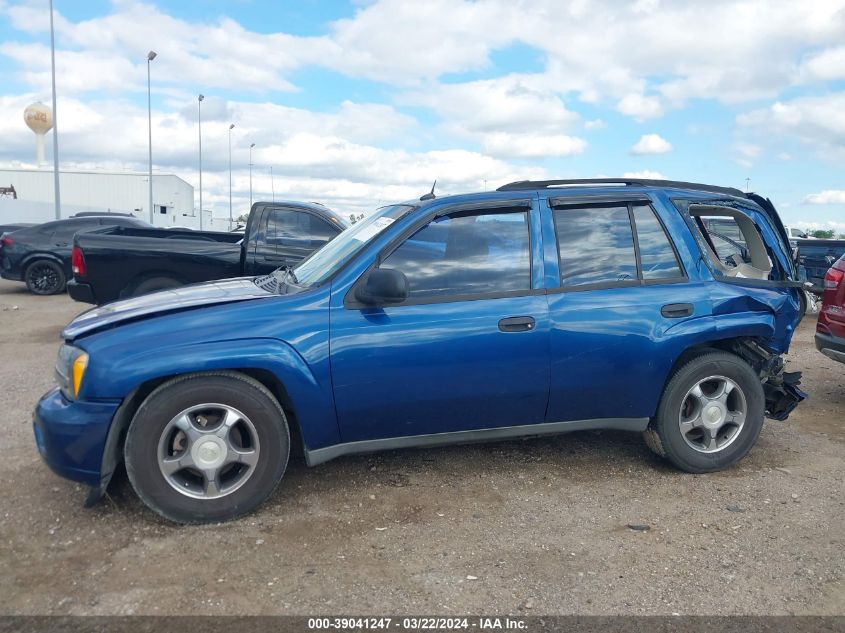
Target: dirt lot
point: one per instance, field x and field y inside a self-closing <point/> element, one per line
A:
<point x="523" y="527"/>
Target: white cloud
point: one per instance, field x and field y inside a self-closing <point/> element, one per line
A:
<point x="828" y="65"/>
<point x="110" y="51"/>
<point x="638" y="58"/>
<point x="328" y="157"/>
<point x="507" y="117"/>
<point x="748" y="153"/>
<point x="645" y="174"/>
<point x="828" y="196"/>
<point x="640" y="107"/>
<point x="637" y="55"/>
<point x="505" y="144"/>
<point x="651" y="144"/>
<point x="817" y="121"/>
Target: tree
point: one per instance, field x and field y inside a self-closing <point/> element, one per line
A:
<point x="242" y="218"/>
<point x="825" y="234"/>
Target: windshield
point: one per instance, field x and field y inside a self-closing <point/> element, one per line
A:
<point x="322" y="264"/>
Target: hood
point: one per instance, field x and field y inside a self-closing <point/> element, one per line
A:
<point x="162" y="302"/>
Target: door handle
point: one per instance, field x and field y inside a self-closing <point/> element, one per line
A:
<point x="517" y="324"/>
<point x="676" y="310"/>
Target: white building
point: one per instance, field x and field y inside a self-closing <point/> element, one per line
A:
<point x="92" y="190"/>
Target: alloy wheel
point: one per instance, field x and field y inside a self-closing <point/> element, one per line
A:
<point x="208" y="451"/>
<point x="712" y="414"/>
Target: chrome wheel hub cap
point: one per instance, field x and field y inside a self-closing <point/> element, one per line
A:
<point x="712" y="414"/>
<point x="208" y="451"/>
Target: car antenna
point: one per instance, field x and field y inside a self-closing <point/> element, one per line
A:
<point x="430" y="195"/>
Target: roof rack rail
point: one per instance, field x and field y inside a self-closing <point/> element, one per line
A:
<point x="522" y="185"/>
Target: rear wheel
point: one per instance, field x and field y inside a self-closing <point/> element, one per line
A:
<point x="45" y="277"/>
<point x="207" y="447"/>
<point x="710" y="415"/>
<point x="152" y="284"/>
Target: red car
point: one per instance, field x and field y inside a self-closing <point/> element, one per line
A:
<point x="830" y="331"/>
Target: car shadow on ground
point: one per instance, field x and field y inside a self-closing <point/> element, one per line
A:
<point x="584" y="457"/>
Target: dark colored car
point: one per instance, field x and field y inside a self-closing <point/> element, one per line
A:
<point x="830" y="330"/>
<point x="126" y="262"/>
<point x="40" y="255"/>
<point x="815" y="256"/>
<point x="539" y="308"/>
<point x="8" y="228"/>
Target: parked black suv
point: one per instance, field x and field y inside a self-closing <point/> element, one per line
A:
<point x="40" y="255"/>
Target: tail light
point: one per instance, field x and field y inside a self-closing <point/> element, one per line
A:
<point x="6" y="241"/>
<point x="77" y="261"/>
<point x="832" y="278"/>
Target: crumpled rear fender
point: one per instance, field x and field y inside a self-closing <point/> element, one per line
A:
<point x="747" y="307"/>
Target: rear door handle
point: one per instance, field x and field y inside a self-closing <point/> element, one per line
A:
<point x="676" y="310"/>
<point x="517" y="324"/>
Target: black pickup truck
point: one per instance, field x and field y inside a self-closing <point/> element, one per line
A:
<point x="815" y="256"/>
<point x="117" y="263"/>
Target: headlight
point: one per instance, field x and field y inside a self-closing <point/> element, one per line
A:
<point x="70" y="370"/>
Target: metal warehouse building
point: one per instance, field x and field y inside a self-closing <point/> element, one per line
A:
<point x="29" y="196"/>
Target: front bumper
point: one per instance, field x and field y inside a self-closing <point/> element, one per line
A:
<point x="81" y="292"/>
<point x="831" y="346"/>
<point x="71" y="435"/>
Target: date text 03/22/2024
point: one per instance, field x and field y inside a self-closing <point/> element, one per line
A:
<point x="418" y="623"/>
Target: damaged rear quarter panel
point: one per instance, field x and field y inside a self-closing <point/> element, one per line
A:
<point x="768" y="314"/>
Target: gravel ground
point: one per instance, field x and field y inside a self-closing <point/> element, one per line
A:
<point x="522" y="527"/>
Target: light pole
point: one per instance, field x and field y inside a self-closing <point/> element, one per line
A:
<point x="250" y="176"/>
<point x="58" y="197"/>
<point x="272" y="184"/>
<point x="150" y="57"/>
<point x="199" y="127"/>
<point x="231" y="126"/>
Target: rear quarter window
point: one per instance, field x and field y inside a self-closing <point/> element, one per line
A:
<point x="596" y="245"/>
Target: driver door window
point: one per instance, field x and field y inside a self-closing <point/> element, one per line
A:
<point x="465" y="255"/>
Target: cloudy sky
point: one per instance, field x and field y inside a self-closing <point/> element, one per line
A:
<point x="362" y="103"/>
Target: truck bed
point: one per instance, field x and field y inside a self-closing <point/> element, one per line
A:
<point x="119" y="259"/>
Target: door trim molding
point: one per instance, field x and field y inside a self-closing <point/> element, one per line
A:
<point x="321" y="455"/>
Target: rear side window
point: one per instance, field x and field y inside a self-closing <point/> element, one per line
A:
<point x="596" y="245"/>
<point x="287" y="229"/>
<point x="68" y="229"/>
<point x="466" y="254"/>
<point x="657" y="257"/>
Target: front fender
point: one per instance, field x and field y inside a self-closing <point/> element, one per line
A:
<point x="111" y="377"/>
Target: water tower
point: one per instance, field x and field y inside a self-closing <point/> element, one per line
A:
<point x="39" y="118"/>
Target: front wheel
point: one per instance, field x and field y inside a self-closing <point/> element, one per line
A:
<point x="710" y="415"/>
<point x="207" y="447"/>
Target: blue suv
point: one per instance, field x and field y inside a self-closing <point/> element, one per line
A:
<point x="540" y="308"/>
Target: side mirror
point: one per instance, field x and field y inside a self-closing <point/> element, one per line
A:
<point x="383" y="286"/>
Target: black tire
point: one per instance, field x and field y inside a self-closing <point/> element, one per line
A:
<point x="152" y="284"/>
<point x="664" y="435"/>
<point x="803" y="306"/>
<point x="141" y="450"/>
<point x="45" y="277"/>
